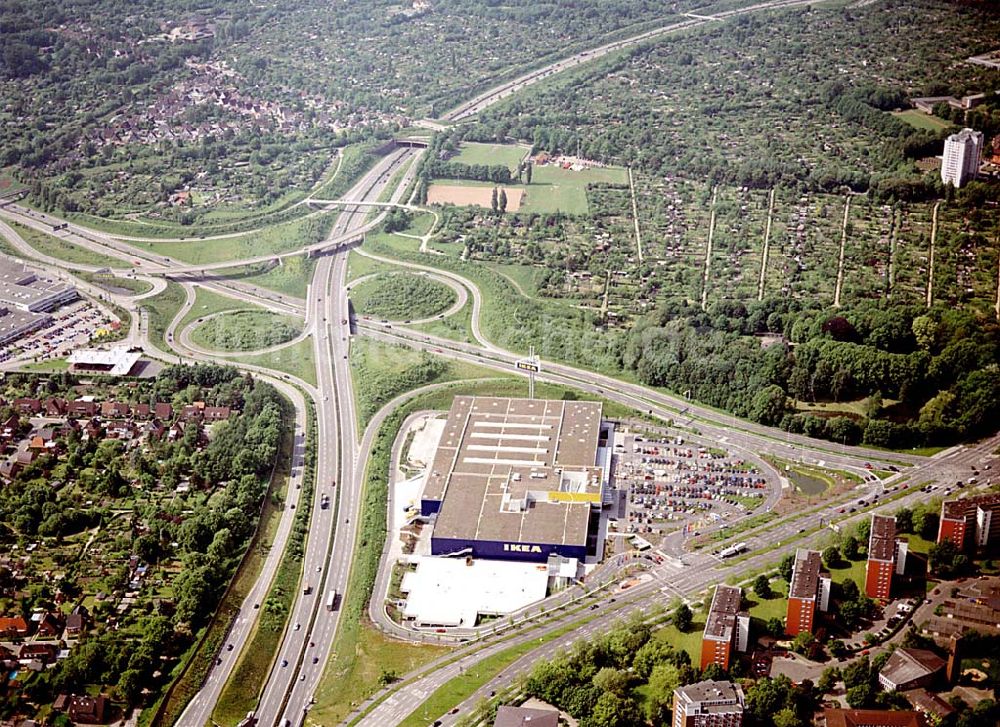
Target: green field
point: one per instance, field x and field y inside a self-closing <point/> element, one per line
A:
<point x="162" y="309"/>
<point x="207" y="302"/>
<point x="401" y="296"/>
<point x="116" y="284"/>
<point x="554" y="189"/>
<point x="52" y="246"/>
<point x="297" y="360"/>
<point x="291" y="277"/>
<point x="490" y="154"/>
<point x="919" y="120"/>
<point x="248" y="330"/>
<point x="275" y="239"/>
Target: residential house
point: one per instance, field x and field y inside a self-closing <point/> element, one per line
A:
<point x="28" y="406"/>
<point x="163" y="411"/>
<point x="48" y="626"/>
<point x="9" y="429"/>
<point x="141" y="411"/>
<point x="76" y="623"/>
<point x="81" y="408"/>
<point x="508" y="716"/>
<point x="87" y="710"/>
<point x="55" y="407"/>
<point x="37" y="651"/>
<point x="114" y="409"/>
<point x="14" y="627"/>
<point x="216" y="413"/>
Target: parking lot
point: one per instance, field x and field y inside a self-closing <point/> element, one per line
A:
<point x="72" y="326"/>
<point x="674" y="484"/>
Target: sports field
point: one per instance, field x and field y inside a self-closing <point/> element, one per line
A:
<point x="467" y="195"/>
<point x="919" y="120"/>
<point x="491" y="154"/>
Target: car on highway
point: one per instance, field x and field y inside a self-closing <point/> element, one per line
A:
<point x="284" y="662"/>
<point x="315" y="660"/>
<point x="298" y="626"/>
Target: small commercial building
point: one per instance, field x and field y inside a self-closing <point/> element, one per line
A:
<point x="518" y="479"/>
<point x="808" y="591"/>
<point x="118" y="361"/>
<point x="727" y="628"/>
<point x="910" y="669"/>
<point x="709" y="704"/>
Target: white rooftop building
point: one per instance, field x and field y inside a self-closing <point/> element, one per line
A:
<point x="117" y="361"/>
<point x="450" y="592"/>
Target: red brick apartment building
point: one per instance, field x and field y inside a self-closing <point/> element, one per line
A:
<point x="808" y="591"/>
<point x="726" y="628"/>
<point x="971" y="523"/>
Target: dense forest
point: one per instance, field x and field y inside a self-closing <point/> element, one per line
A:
<point x="927" y="376"/>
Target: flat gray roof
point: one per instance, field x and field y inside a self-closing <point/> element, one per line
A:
<point x="805" y="574"/>
<point x="722" y="616"/>
<point x="882" y="542"/>
<point x="522" y="470"/>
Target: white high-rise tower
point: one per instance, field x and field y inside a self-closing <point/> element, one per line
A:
<point x="963" y="153"/>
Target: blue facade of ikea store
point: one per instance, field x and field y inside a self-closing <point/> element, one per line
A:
<point x="430" y="507"/>
<point x="500" y="550"/>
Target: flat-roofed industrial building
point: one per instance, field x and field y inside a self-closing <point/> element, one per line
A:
<point x="518" y="479"/>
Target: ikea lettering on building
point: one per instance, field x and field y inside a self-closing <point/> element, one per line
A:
<point x="518" y="479"/>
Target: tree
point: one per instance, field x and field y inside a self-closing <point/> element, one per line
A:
<point x="664" y="679"/>
<point x="762" y="586"/>
<point x="502" y="201"/>
<point x="494" y="201"/>
<point x="786" y="567"/>
<point x="775" y="627"/>
<point x="612" y="680"/>
<point x="682" y="618"/>
<point x="831" y="556"/>
<point x="527" y="172"/>
<point x="802" y="642"/>
<point x="787" y="718"/>
<point x="945" y="560"/>
<point x="613" y="711"/>
<point x="829" y="678"/>
<point x="858" y="697"/>
<point x="850" y="547"/>
<point x="768" y="405"/>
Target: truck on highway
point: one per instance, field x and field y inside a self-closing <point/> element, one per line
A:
<point x="331" y="600"/>
<point x="732" y="550"/>
<point x="306" y="589"/>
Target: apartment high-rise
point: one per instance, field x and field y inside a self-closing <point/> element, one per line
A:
<point x="708" y="704"/>
<point x="881" y="557"/>
<point x="726" y="628"/>
<point x="971" y="523"/>
<point x="808" y="591"/>
<point x="963" y="153"/>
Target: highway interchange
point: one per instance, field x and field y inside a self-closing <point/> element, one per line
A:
<point x="342" y="454"/>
